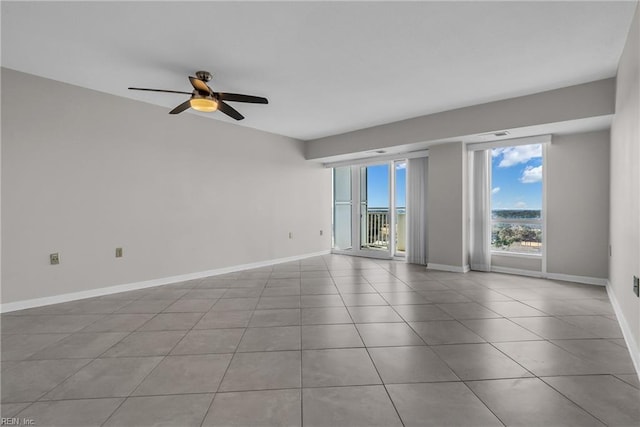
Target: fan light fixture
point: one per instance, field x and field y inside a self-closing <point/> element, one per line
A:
<point x="206" y="105"/>
<point x="206" y="100"/>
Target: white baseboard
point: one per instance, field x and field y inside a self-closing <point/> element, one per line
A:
<point x="577" y="279"/>
<point x="553" y="276"/>
<point x="73" y="296"/>
<point x="517" y="271"/>
<point x="363" y="254"/>
<point x="632" y="346"/>
<point x="445" y="267"/>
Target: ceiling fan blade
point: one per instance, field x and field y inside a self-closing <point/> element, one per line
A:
<point x="229" y="110"/>
<point x="180" y="108"/>
<point x="237" y="97"/>
<point x="199" y="85"/>
<point x="160" y="90"/>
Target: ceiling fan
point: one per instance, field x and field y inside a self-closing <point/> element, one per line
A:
<point x="206" y="100"/>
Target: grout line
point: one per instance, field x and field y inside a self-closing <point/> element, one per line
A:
<point x="234" y="353"/>
<point x="361" y="271"/>
<point x="485" y="405"/>
<point x="216" y="392"/>
<point x="374" y="365"/>
<point x="572" y="401"/>
<point x="155" y="367"/>
<point x="39" y="398"/>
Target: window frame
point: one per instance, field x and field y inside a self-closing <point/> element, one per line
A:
<point x="544" y="141"/>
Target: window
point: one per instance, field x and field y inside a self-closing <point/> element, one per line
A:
<point x="516" y="199"/>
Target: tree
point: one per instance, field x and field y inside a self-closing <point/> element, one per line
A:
<point x="508" y="234"/>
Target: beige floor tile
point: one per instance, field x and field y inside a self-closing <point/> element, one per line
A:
<point x="348" y="406"/>
<point x="262" y="371"/>
<point x="256" y="408"/>
<point x="529" y="401"/>
<point x="440" y="404"/>
<point x="184" y="411"/>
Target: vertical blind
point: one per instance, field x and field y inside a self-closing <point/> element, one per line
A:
<point x="480" y="233"/>
<point x="417" y="236"/>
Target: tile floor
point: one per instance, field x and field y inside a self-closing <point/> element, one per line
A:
<point x="327" y="341"/>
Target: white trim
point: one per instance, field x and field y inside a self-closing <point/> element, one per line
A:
<point x="577" y="279"/>
<point x="394" y="251"/>
<point x="529" y="140"/>
<point x="632" y="346"/>
<point x="378" y="159"/>
<point x="585" y="280"/>
<point x="516" y="221"/>
<point x="356" y="209"/>
<point x="545" y="186"/>
<point x="357" y="213"/>
<point x="480" y="267"/>
<point x="516" y="271"/>
<point x="73" y="296"/>
<point x="451" y="268"/>
<point x="392" y="208"/>
<point x="515" y="254"/>
<point x="363" y="253"/>
<point x="544" y="141"/>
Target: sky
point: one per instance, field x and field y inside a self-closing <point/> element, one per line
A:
<point x="516" y="180"/>
<point x="516" y="177"/>
<point x="378" y="185"/>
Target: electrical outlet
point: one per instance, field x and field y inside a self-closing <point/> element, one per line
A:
<point x="54" y="259"/>
<point x="118" y="252"/>
<point x="290" y="235"/>
<point x="636" y="285"/>
<point x="321" y="232"/>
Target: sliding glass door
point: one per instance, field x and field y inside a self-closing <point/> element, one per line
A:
<point x="400" y="207"/>
<point x="342" y="208"/>
<point x="375" y="215"/>
<point x="373" y="211"/>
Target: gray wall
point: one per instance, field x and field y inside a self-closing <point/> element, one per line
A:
<point x="517" y="263"/>
<point x="577" y="186"/>
<point x="578" y="204"/>
<point x="577" y="207"/>
<point x="446" y="206"/>
<point x="447" y="173"/>
<point x="625" y="188"/>
<point x="575" y="102"/>
<point x="85" y="172"/>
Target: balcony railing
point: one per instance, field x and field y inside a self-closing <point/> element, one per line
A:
<point x="376" y="232"/>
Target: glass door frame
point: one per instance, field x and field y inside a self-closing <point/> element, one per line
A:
<point x="357" y="213"/>
<point x="362" y="217"/>
<point x="393" y="205"/>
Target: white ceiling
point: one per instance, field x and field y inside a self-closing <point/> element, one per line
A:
<point x="326" y="67"/>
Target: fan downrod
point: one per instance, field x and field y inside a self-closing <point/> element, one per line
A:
<point x="204" y="75"/>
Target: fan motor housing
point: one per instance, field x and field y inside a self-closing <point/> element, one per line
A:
<point x="204" y="75"/>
